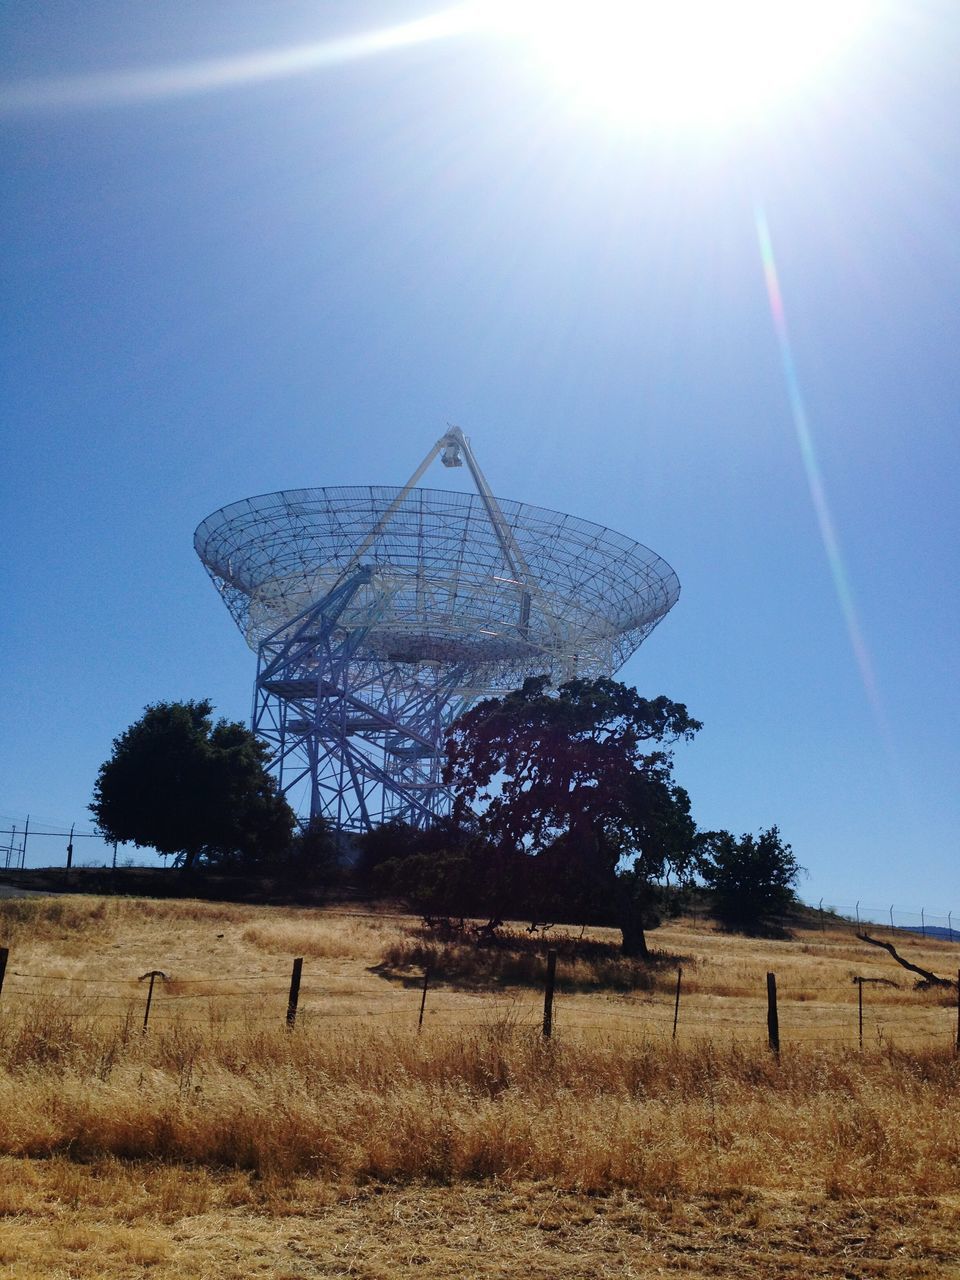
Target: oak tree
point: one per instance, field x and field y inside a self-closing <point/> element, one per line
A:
<point x="582" y="775"/>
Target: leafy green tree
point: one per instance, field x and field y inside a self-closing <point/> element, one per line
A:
<point x="752" y="879"/>
<point x="178" y="783"/>
<point x="583" y="771"/>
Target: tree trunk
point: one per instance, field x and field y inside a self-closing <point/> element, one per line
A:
<point x="630" y="916"/>
<point x="634" y="939"/>
<point x="586" y="842"/>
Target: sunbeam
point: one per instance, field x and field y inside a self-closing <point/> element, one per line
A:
<point x="183" y="79"/>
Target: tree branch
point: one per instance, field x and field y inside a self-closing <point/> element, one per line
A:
<point x="925" y="974"/>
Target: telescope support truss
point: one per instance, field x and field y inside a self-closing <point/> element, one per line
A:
<point x="367" y="739"/>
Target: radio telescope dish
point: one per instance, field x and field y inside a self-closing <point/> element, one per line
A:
<point x="380" y="614"/>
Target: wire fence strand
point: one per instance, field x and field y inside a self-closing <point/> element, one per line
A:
<point x="807" y="1016"/>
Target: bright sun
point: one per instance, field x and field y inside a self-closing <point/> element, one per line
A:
<point x="680" y="63"/>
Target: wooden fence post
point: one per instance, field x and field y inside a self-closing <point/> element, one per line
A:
<point x="773" y="1022"/>
<point x="548" y="994"/>
<point x="423" y="998"/>
<point x="4" y="953"/>
<point x="294" y="997"/>
<point x="676" y="1004"/>
<point x="152" y="975"/>
<point x="860" y="1008"/>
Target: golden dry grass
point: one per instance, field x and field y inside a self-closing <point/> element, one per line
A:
<point x="221" y="1144"/>
<point x="61" y="1221"/>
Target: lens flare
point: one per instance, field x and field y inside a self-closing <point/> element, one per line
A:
<point x="205" y="76"/>
<point x="811" y="466"/>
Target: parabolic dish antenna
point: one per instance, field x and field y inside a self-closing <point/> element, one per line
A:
<point x="380" y="614"/>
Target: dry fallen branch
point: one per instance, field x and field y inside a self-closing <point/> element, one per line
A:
<point x="929" y="978"/>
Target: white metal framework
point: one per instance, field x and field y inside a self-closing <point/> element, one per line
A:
<point x="380" y="614"/>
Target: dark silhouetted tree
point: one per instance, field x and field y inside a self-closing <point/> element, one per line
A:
<point x="581" y="773"/>
<point x="178" y="783"/>
<point x="752" y="880"/>
<point x="312" y="863"/>
<point x="389" y="842"/>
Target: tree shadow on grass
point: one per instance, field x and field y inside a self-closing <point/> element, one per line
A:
<point x="519" y="959"/>
<point x="760" y="932"/>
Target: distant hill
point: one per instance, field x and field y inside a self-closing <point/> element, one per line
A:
<point x="933" y="931"/>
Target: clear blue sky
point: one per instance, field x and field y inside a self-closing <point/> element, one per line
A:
<point x="299" y="281"/>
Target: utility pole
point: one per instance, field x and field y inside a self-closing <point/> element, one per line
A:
<point x="70" y="847"/>
<point x="23" y="852"/>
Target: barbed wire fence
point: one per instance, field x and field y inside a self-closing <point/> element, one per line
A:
<point x="791" y="1014"/>
<point x="32" y="844"/>
<point x="944" y="924"/>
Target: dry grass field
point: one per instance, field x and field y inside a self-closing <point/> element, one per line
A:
<point x="221" y="1144"/>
